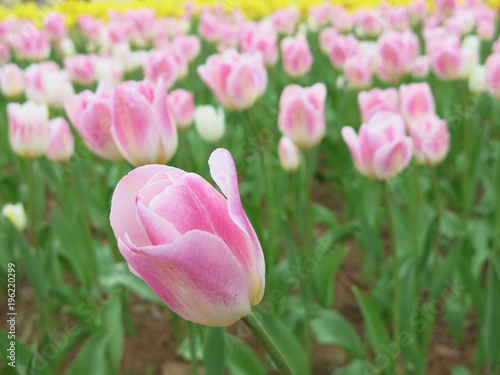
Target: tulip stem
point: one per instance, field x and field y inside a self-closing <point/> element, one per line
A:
<point x="395" y="264"/>
<point x="267" y="342"/>
<point x="437" y="204"/>
<point x="192" y="348"/>
<point x="32" y="204"/>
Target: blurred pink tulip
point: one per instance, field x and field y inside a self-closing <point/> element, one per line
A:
<point x="31" y="44"/>
<point x="445" y="8"/>
<point x="90" y="114"/>
<point x="28" y="129"/>
<point x="108" y="70"/>
<point x="486" y="30"/>
<point x="341" y="48"/>
<point x="417" y="11"/>
<point x="256" y="38"/>
<point x="447" y="59"/>
<point x="46" y="83"/>
<point x="142" y="124"/>
<point x="416" y="101"/>
<point x="90" y="26"/>
<point x="302" y="114"/>
<point x="236" y="80"/>
<point x="376" y="100"/>
<point x="12" y="81"/>
<point x="326" y="37"/>
<point x="284" y="20"/>
<point x="492" y="67"/>
<point x="358" y="72"/>
<point x="420" y="67"/>
<point x="193" y="246"/>
<point x="181" y="104"/>
<point x="381" y="149"/>
<point x="81" y="69"/>
<point x="189" y="45"/>
<point x="431" y="139"/>
<point x="369" y="23"/>
<point x="55" y="25"/>
<point x="4" y="54"/>
<point x="289" y="154"/>
<point x="396" y="51"/>
<point x="61" y="144"/>
<point x="320" y="15"/>
<point x="296" y="55"/>
<point x="159" y="64"/>
<point x="209" y="27"/>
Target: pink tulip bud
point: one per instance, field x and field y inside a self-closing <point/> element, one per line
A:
<point x="31" y="44"/>
<point x="142" y="126"/>
<point x="55" y="25"/>
<point x="420" y="67"/>
<point x="417" y="11"/>
<point x="297" y="57"/>
<point x="181" y="104"/>
<point x="81" y="69"/>
<point x="431" y="139"/>
<point x="12" y="81"/>
<point x="492" y="67"/>
<point x="90" y="26"/>
<point x="28" y="129"/>
<point x="108" y="70"/>
<point x="193" y="246"/>
<point x="321" y="14"/>
<point x="255" y="38"/>
<point x="343" y="20"/>
<point x="447" y="59"/>
<point x="189" y="45"/>
<point x="40" y="85"/>
<point x="381" y="149"/>
<point x="4" y="53"/>
<point x="486" y="30"/>
<point x="341" y="48"/>
<point x="445" y="8"/>
<point x="160" y="64"/>
<point x="369" y="23"/>
<point x="417" y="101"/>
<point x="376" y="100"/>
<point x="284" y="20"/>
<point x="302" y="115"/>
<point x="326" y="37"/>
<point x="91" y="116"/>
<point x="209" y="27"/>
<point x="61" y="144"/>
<point x="236" y="80"/>
<point x="358" y="72"/>
<point x="289" y="154"/>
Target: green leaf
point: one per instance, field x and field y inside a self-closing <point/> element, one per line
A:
<point x="91" y="358"/>
<point x="214" y="357"/>
<point x="356" y="368"/>
<point x="241" y="360"/>
<point x="112" y="321"/>
<point x="455" y="314"/>
<point x="460" y="370"/>
<point x="492" y="323"/>
<point x="328" y="266"/>
<point x="376" y="332"/>
<point x="332" y="328"/>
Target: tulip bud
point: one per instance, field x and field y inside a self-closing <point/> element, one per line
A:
<point x="341" y="48"/>
<point x="31" y="44"/>
<point x="55" y="25"/>
<point x="66" y="47"/>
<point x="61" y="140"/>
<point x="40" y="85"/>
<point x="210" y="122"/>
<point x="193" y="246"/>
<point x="420" y="67"/>
<point x="431" y="139"/>
<point x="4" y="53"/>
<point x="417" y="101"/>
<point x="81" y="69"/>
<point x="245" y="78"/>
<point x="376" y="100"/>
<point x="28" y="129"/>
<point x="108" y="70"/>
<point x="289" y="154"/>
<point x="297" y="57"/>
<point x="381" y="149"/>
<point x="181" y="103"/>
<point x="302" y="115"/>
<point x="358" y="72"/>
<point x="159" y="64"/>
<point x="15" y="214"/>
<point x="477" y="80"/>
<point x="142" y="124"/>
<point x="12" y="81"/>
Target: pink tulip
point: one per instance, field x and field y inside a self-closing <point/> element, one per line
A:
<point x="302" y="114"/>
<point x="358" y="72"/>
<point x="445" y="8"/>
<point x="396" y="51"/>
<point x="297" y="57"/>
<point x="381" y="149"/>
<point x="376" y="100"/>
<point x="47" y="83"/>
<point x="194" y="247"/>
<point x="119" y="32"/>
<point x="369" y="23"/>
<point x="486" y="30"/>
<point x="61" y="144"/>
<point x="90" y="26"/>
<point x="492" y="67"/>
<point x="321" y="14"/>
<point x="289" y="154"/>
<point x="12" y="81"/>
<point x="420" y="67"/>
<point x="159" y="64"/>
<point x="326" y="37"/>
<point x="181" y="104"/>
<point x="143" y="22"/>
<point x="209" y="27"/>
<point x="28" y="129"/>
<point x="142" y="124"/>
<point x="284" y="20"/>
<point x="236" y="80"/>
<point x="417" y="11"/>
<point x="398" y="18"/>
<point x="31" y="44"/>
<point x="189" y="45"/>
<point x="343" y="20"/>
<point x="55" y="25"/>
<point x="4" y="54"/>
<point x="431" y="139"/>
<point x="447" y="59"/>
<point x="108" y="70"/>
<point x="255" y="38"/>
<point x="81" y="69"/>
<point x="416" y="101"/>
<point x="341" y="48"/>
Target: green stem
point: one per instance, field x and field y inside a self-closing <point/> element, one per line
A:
<point x="192" y="348"/>
<point x="395" y="265"/>
<point x="437" y="205"/>
<point x="267" y="342"/>
<point x="32" y="204"/>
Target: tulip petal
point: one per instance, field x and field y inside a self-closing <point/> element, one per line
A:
<point x="159" y="230"/>
<point x="123" y="203"/>
<point x="392" y="158"/>
<point x="223" y="171"/>
<point x="164" y="121"/>
<point x="191" y="276"/>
